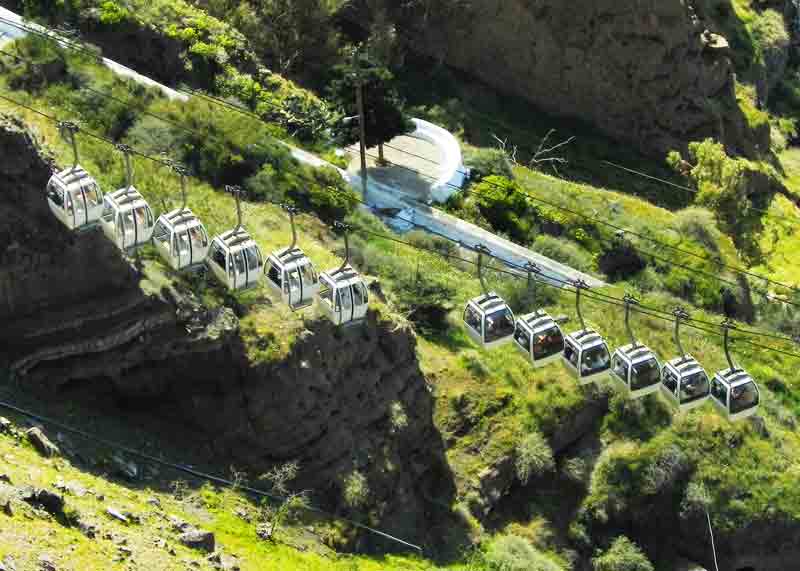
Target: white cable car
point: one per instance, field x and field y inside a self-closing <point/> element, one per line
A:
<point x="683" y="380"/>
<point x="291" y="273"/>
<point x="733" y="390"/>
<point x="343" y="296"/>
<point x="537" y="334"/>
<point x="635" y="365"/>
<point x="586" y="353"/>
<point x="179" y="236"/>
<point x="234" y="257"/>
<point x="489" y="320"/>
<point x="127" y="219"/>
<point x="73" y="195"/>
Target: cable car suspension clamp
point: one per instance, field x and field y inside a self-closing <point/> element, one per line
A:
<point x="345" y="228"/>
<point x="680" y="315"/>
<point x="727" y="325"/>
<point x="68" y="130"/>
<point x="579" y="285"/>
<point x="629" y="301"/>
<point x="126" y="155"/>
<point x="482" y="250"/>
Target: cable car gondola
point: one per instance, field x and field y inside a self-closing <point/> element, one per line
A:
<point x="179" y="236"/>
<point x="489" y="319"/>
<point x="586" y="353"/>
<point x="683" y="380"/>
<point x="733" y="390"/>
<point x="234" y="257"/>
<point x="343" y="296"/>
<point x="73" y="195"/>
<point x="291" y="273"/>
<point x="635" y="365"/>
<point x="537" y="334"/>
<point x="127" y="219"/>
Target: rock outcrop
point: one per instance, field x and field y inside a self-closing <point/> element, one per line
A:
<point x="645" y="72"/>
<point x="81" y="321"/>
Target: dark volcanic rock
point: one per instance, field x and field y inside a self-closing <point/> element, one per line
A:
<point x="51" y="502"/>
<point x="328" y="404"/>
<point x="198" y="539"/>
<point x="643" y="71"/>
<point x="42" y="443"/>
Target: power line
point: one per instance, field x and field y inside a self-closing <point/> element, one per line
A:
<point x="654" y="312"/>
<point x="411" y="222"/>
<point x="661" y="259"/>
<point x="249" y="113"/>
<point x="596" y="296"/>
<point x="191" y="471"/>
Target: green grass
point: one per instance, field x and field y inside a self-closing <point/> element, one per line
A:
<point x="206" y="507"/>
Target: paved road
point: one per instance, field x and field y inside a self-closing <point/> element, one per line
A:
<point x="379" y="193"/>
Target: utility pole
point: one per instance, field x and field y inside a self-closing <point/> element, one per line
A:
<point x="361" y="120"/>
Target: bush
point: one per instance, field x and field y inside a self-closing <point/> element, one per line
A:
<point x="505" y="208"/>
<point x="487" y="162"/>
<point x="620" y="261"/>
<point x="698" y="224"/>
<point x="624" y="555"/>
<point x="769" y="30"/>
<point x="534" y="457"/>
<point x="41" y="64"/>
<point x="563" y="250"/>
<point x="356" y="490"/>
<point x="513" y="553"/>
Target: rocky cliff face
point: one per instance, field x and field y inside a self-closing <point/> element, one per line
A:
<point x="77" y="322"/>
<point x="644" y="71"/>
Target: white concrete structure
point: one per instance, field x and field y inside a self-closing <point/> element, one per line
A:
<point x="453" y="172"/>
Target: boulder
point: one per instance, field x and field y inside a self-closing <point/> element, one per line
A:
<point x="42" y="444"/>
<point x="125" y="468"/>
<point x="198" y="539"/>
<point x="51" y="502"/>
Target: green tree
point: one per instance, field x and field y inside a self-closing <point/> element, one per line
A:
<point x="623" y="555"/>
<point x="736" y="190"/>
<point x="385" y="117"/>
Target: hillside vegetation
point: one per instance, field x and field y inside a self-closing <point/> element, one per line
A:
<point x="597" y="467"/>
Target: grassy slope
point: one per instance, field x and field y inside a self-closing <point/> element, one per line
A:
<point x="25" y="536"/>
<point x="781" y="240"/>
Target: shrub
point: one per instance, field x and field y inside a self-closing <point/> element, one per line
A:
<point x="534" y="457"/>
<point x="698" y="224"/>
<point x="513" y="553"/>
<point x="563" y="250"/>
<point x="737" y="190"/>
<point x="487" y="162"/>
<point x="696" y="500"/>
<point x="41" y="64"/>
<point x="432" y="242"/>
<point x="769" y="30"/>
<point x="523" y="300"/>
<point x="356" y="490"/>
<point x="398" y="416"/>
<point x="505" y="208"/>
<point x="620" y="261"/>
<point x="624" y="555"/>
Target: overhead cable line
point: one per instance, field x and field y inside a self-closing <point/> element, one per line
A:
<point x="565" y="284"/>
<point x="654" y="256"/>
<point x="238" y="108"/>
